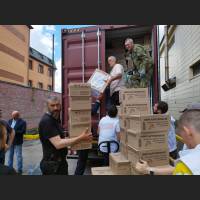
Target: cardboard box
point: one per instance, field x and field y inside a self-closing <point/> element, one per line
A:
<point x="102" y="171"/>
<point x="147" y="140"/>
<point x="124" y="138"/>
<point x="124" y="150"/>
<point x="79" y="89"/>
<point x="98" y="80"/>
<point x="79" y="116"/>
<point x="80" y="103"/>
<point x="119" y="109"/>
<point x="135" y="109"/>
<point x="119" y="164"/>
<point x="122" y="121"/>
<point x="134" y="96"/>
<point x="156" y="157"/>
<point x="134" y="171"/>
<point x="76" y="130"/>
<point x="148" y="123"/>
<point x="81" y="146"/>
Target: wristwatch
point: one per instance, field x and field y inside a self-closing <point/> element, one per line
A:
<point x="151" y="172"/>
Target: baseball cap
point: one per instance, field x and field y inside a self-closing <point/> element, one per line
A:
<point x="193" y="106"/>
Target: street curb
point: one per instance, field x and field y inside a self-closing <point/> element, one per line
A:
<point x="31" y="137"/>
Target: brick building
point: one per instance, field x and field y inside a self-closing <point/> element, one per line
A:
<point x="26" y="75"/>
<point x="21" y="64"/>
<point x="14" y="53"/>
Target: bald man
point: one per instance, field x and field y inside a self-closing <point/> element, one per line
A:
<point x="116" y="80"/>
<point x="19" y="125"/>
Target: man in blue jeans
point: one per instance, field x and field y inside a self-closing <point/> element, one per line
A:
<point x="19" y="125"/>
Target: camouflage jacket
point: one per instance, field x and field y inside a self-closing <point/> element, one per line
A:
<point x="139" y="67"/>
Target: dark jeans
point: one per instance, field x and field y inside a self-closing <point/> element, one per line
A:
<point x="82" y="161"/>
<point x="106" y="159"/>
<point x="2" y="157"/>
<point x="107" y="98"/>
<point x="95" y="108"/>
<point x="54" y="168"/>
<point x="115" y="99"/>
<point x="174" y="155"/>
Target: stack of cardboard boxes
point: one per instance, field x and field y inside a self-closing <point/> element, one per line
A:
<point x="147" y="139"/>
<point x="133" y="102"/>
<point x="119" y="165"/>
<point x="143" y="135"/>
<point x="79" y="112"/>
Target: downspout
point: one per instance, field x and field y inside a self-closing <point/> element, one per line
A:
<point x="53" y="64"/>
<point x="166" y="54"/>
<point x="158" y="56"/>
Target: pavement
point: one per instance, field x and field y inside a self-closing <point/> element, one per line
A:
<point x="32" y="154"/>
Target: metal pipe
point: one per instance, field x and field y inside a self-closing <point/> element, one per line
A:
<point x="166" y="54"/>
<point x="98" y="61"/>
<point x="158" y="57"/>
<point x="98" y="46"/>
<point x="83" y="57"/>
<point x="53" y="64"/>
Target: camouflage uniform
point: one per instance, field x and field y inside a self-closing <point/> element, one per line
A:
<point x="139" y="68"/>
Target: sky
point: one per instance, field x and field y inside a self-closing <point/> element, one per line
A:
<point x="41" y="40"/>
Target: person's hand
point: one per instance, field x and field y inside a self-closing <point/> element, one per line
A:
<point x="142" y="167"/>
<point x="108" y="81"/>
<point x="86" y="136"/>
<point x="100" y="97"/>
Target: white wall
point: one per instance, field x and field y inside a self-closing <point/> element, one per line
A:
<point x="184" y="53"/>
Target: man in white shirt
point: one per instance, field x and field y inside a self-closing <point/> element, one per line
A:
<point x="116" y="80"/>
<point x="109" y="130"/>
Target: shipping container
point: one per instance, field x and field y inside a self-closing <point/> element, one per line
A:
<point x="85" y="49"/>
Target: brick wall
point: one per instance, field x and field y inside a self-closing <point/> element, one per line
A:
<point x="29" y="102"/>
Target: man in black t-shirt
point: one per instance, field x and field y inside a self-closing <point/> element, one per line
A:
<point x="54" y="142"/>
<point x="10" y="138"/>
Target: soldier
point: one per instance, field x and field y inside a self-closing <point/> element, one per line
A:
<point x="139" y="65"/>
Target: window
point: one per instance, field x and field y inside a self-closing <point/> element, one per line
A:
<point x="30" y="83"/>
<point x="40" y="68"/>
<point x="50" y="72"/>
<point x="40" y="85"/>
<point x="195" y="69"/>
<point x="30" y="64"/>
<point x="49" y="87"/>
<point x="41" y="56"/>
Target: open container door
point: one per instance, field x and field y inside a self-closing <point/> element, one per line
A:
<point x="83" y="50"/>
